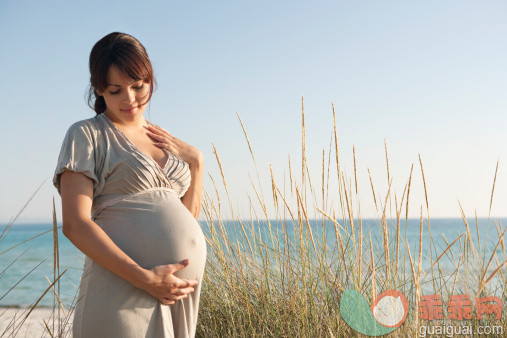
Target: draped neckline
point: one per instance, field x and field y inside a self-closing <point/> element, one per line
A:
<point x="134" y="147"/>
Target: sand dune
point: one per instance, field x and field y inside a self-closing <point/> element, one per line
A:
<point x="10" y="318"/>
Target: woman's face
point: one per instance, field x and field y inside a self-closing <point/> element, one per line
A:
<point x="125" y="98"/>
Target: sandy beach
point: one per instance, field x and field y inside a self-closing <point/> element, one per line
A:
<point x="11" y="318"/>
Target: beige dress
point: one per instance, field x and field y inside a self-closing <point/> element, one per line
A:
<point x="137" y="203"/>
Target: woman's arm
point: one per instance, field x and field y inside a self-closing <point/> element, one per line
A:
<point x="193" y="196"/>
<point x="190" y="154"/>
<point x="88" y="236"/>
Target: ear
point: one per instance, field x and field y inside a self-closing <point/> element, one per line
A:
<point x="97" y="92"/>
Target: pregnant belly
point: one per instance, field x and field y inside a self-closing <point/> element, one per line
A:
<point x="155" y="228"/>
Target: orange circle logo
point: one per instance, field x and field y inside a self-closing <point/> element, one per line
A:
<point x="390" y="308"/>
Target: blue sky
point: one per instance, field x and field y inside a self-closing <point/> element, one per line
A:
<point x="428" y="77"/>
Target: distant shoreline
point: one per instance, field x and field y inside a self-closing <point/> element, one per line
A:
<point x="50" y="222"/>
<point x="17" y="306"/>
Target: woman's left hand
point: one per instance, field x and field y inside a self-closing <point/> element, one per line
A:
<point x="188" y="153"/>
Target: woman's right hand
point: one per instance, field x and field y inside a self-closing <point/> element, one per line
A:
<point x="165" y="286"/>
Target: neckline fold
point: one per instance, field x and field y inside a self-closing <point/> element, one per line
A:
<point x="134" y="147"/>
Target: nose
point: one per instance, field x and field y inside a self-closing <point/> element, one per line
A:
<point x="131" y="96"/>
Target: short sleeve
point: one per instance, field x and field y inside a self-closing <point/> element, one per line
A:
<point x="77" y="154"/>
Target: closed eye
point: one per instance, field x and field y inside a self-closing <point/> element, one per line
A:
<point x="136" y="88"/>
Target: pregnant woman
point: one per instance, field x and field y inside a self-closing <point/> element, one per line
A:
<point x="131" y="193"/>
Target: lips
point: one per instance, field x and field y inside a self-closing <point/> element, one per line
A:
<point x="130" y="110"/>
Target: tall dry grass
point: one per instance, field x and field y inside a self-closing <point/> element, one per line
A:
<point x="58" y="324"/>
<point x="264" y="280"/>
<point x="284" y="277"/>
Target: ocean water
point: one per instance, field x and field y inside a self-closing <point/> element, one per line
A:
<point x="24" y="267"/>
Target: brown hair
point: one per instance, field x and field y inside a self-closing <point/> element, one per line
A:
<point x="128" y="55"/>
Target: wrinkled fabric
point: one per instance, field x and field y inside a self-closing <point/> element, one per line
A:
<point x="137" y="203"/>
